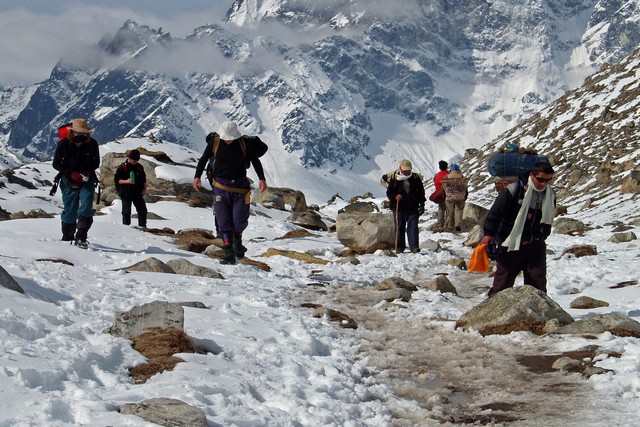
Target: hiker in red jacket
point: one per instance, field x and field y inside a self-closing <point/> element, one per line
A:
<point x="442" y="207"/>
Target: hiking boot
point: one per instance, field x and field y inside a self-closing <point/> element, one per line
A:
<point x="82" y="244"/>
<point x="458" y="229"/>
<point x="415" y="250"/>
<point x="68" y="232"/>
<point x="228" y="257"/>
<point x="84" y="224"/>
<point x="238" y="249"/>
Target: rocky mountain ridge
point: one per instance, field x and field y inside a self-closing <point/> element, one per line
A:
<point x="346" y="98"/>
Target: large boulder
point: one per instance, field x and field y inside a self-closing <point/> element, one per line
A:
<point x="366" y="233"/>
<point x="274" y="196"/>
<point x="523" y="308"/>
<point x="473" y="215"/>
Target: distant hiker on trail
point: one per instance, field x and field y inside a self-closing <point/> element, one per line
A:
<point x="438" y="195"/>
<point x="131" y="184"/>
<point x="519" y="222"/>
<point x="406" y="200"/>
<point x="76" y="159"/>
<point x="455" y="187"/>
<point x="230" y="154"/>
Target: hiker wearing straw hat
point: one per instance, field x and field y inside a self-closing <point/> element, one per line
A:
<point x="76" y="158"/>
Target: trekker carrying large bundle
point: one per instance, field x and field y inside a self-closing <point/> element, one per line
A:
<point x="76" y="158"/>
<point x="230" y="152"/>
<point x="406" y="195"/>
<point x="455" y="187"/>
<point x="519" y="222"/>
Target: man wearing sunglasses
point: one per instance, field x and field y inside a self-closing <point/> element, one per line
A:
<point x="519" y="222"/>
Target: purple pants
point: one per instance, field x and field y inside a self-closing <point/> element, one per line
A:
<point x="531" y="259"/>
<point x="231" y="209"/>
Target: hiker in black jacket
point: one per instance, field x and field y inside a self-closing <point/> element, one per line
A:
<point x="230" y="152"/>
<point x="76" y="158"/>
<point x="519" y="222"/>
<point x="132" y="188"/>
<point x="406" y="195"/>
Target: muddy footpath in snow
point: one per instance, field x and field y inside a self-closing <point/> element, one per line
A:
<point x="440" y="376"/>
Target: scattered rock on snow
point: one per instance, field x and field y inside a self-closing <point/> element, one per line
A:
<point x="442" y="284"/>
<point x="166" y="412"/>
<point x="586" y="302"/>
<point x="622" y="326"/>
<point x="627" y="236"/>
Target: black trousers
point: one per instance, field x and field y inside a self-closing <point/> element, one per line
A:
<point x="531" y="260"/>
<point x="141" y="209"/>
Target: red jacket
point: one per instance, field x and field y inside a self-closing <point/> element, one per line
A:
<point x="437" y="181"/>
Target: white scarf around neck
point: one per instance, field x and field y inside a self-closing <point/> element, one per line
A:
<point x="401" y="177"/>
<point x="512" y="242"/>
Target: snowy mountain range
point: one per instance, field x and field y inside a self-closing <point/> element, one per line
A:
<point x="341" y="89"/>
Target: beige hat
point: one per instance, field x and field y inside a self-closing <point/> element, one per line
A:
<point x="80" y="126"/>
<point x="405" y="165"/>
<point x="229" y="131"/>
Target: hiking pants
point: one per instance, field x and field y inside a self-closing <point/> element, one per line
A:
<point x="531" y="259"/>
<point x="442" y="211"/>
<point x="454" y="214"/>
<point x="141" y="209"/>
<point x="406" y="223"/>
<point x="77" y="201"/>
<point x="231" y="209"/>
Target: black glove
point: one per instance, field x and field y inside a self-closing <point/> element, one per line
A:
<point x="420" y="209"/>
<point x="492" y="250"/>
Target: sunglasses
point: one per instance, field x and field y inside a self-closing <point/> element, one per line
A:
<point x="542" y="180"/>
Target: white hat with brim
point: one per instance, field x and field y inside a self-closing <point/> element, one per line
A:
<point x="229" y="131"/>
<point x="80" y="126"/>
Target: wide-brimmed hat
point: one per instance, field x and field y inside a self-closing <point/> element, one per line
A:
<point x="405" y="165"/>
<point x="229" y="131"/>
<point x="80" y="126"/>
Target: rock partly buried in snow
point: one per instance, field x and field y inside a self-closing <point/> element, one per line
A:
<point x="166" y="412"/>
<point x="7" y="281"/>
<point x="622" y="326"/>
<point x="523" y="308"/>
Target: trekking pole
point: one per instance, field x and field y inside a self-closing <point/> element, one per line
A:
<point x="396" y="245"/>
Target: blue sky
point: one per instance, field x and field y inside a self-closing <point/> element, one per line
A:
<point x="37" y="33"/>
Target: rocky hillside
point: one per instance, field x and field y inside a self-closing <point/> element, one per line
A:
<point x="592" y="136"/>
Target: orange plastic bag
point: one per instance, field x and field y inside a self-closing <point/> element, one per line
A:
<point x="479" y="262"/>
